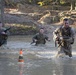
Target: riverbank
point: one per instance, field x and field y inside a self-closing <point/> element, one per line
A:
<point x="27" y="22"/>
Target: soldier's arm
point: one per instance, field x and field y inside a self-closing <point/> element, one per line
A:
<point x="34" y="39"/>
<point x="35" y="36"/>
<point x="2" y="31"/>
<point x="72" y="33"/>
<point x="55" y="34"/>
<point x="47" y="38"/>
<point x="72" y="37"/>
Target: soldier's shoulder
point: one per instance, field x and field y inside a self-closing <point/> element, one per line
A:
<point x="36" y="34"/>
<point x="72" y="29"/>
<point x="57" y="29"/>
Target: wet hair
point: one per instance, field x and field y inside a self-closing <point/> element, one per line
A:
<point x="66" y="19"/>
<point x="41" y="28"/>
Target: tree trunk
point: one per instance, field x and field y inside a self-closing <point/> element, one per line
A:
<point x="2" y="12"/>
<point x="72" y="5"/>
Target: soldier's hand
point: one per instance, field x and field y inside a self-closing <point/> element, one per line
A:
<point x="35" y="40"/>
<point x="57" y="38"/>
<point x="49" y="39"/>
<point x="61" y="38"/>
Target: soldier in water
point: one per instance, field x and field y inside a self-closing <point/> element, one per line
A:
<point x="40" y="38"/>
<point x="3" y="35"/>
<point x="64" y="36"/>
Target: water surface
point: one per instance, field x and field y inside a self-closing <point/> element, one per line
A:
<point x="38" y="60"/>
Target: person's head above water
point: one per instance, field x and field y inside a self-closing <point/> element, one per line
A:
<point x="41" y="30"/>
<point x="66" y="22"/>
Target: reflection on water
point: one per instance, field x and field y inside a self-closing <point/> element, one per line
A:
<point x="38" y="60"/>
<point x="21" y="67"/>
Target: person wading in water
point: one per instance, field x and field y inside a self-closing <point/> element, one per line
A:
<point x="40" y="38"/>
<point x="64" y="36"/>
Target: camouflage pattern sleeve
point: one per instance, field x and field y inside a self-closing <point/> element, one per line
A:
<point x="55" y="34"/>
<point x="35" y="36"/>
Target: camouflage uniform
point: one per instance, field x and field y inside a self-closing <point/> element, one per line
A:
<point x="3" y="37"/>
<point x="66" y="38"/>
<point x="41" y="38"/>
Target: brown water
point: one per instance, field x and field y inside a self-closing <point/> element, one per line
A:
<point x="38" y="60"/>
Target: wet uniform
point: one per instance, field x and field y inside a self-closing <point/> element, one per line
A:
<point x="67" y="38"/>
<point x="3" y="37"/>
<point x="41" y="38"/>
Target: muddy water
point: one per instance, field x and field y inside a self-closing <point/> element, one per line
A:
<point x="38" y="60"/>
